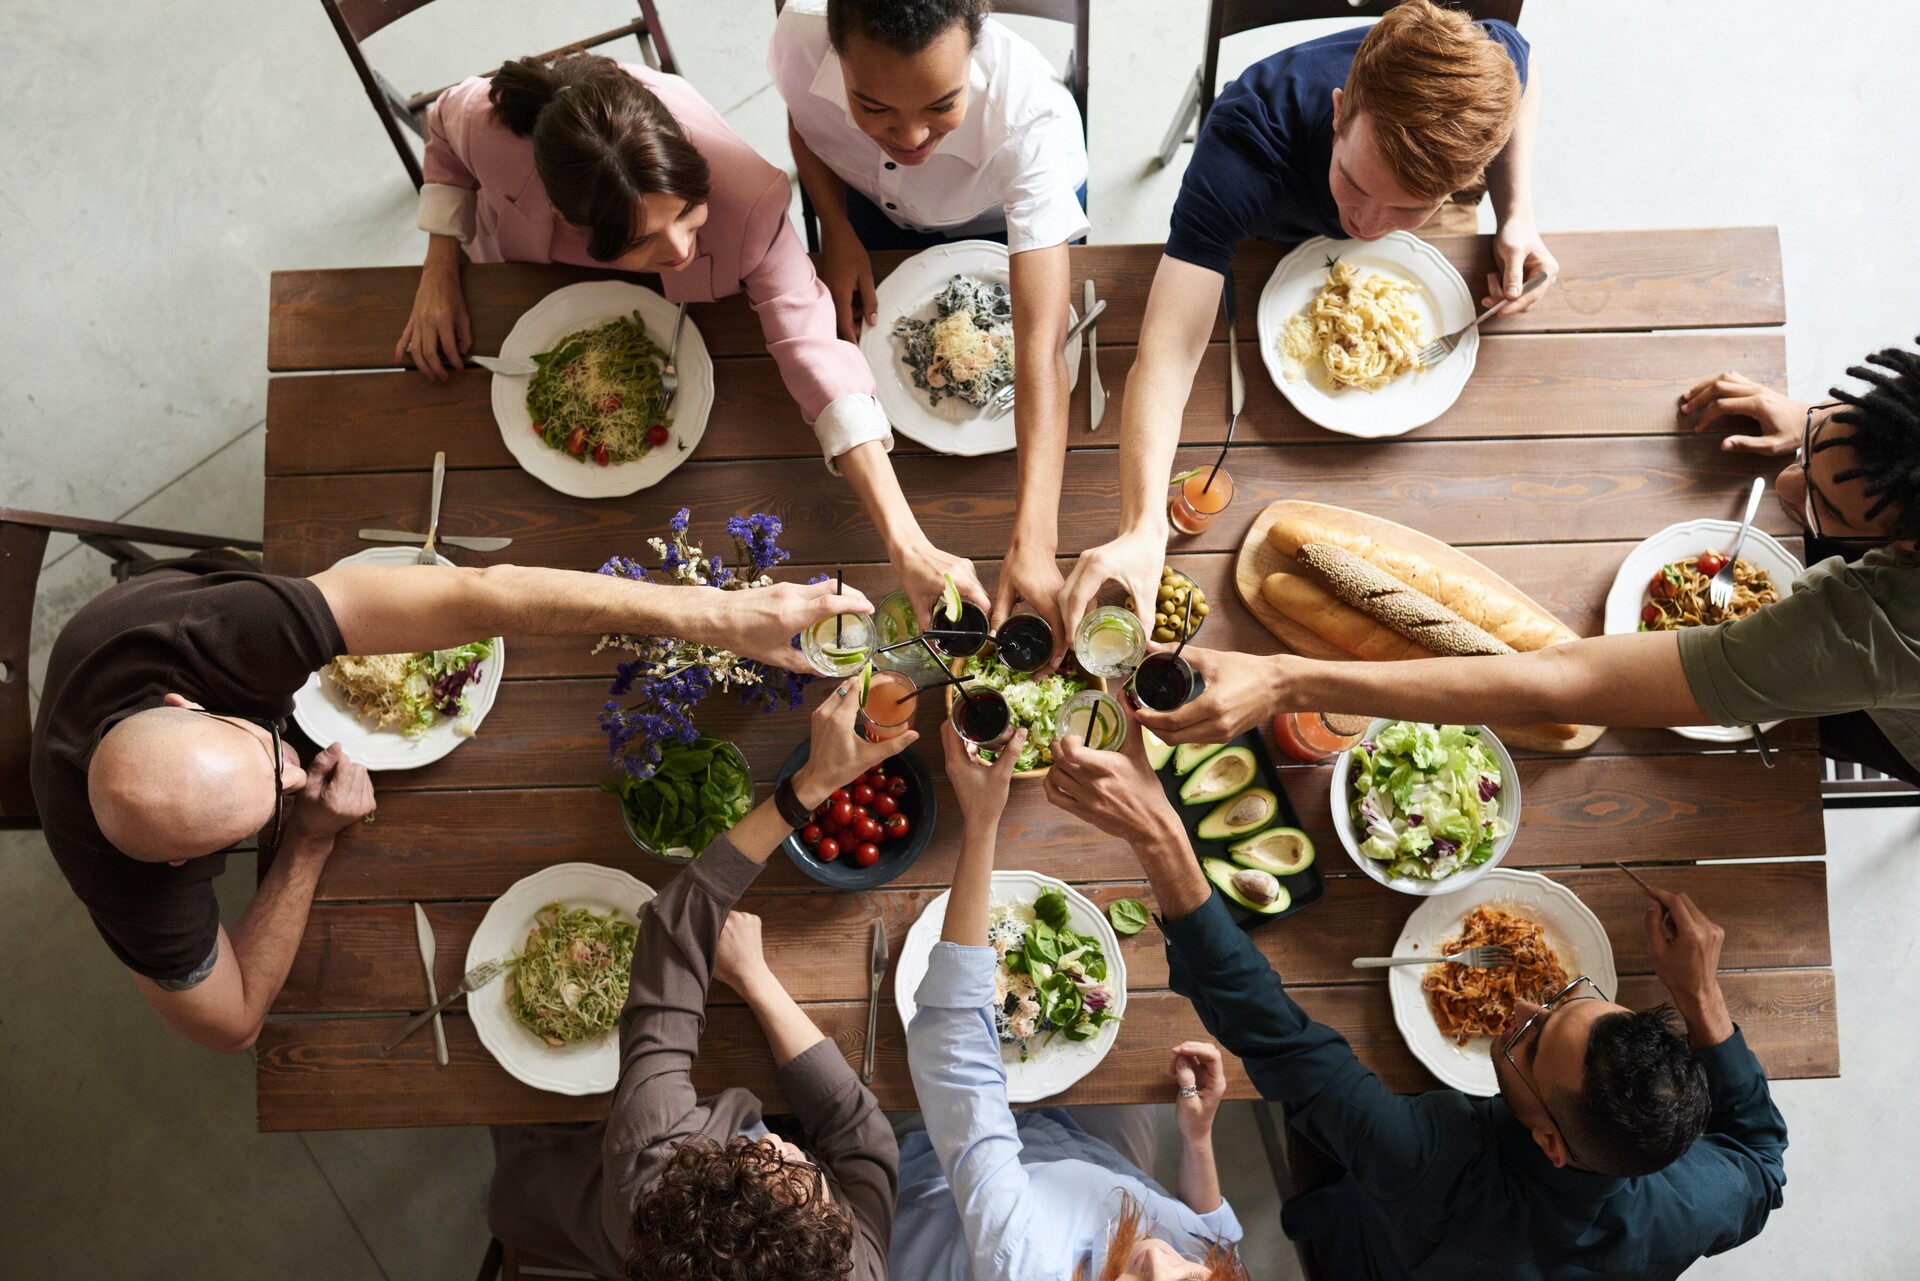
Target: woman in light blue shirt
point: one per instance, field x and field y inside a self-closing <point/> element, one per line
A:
<point x="991" y="1196"/>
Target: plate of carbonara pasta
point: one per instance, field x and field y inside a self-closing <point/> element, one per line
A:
<point x="1660" y="587"/>
<point x="1342" y="323"/>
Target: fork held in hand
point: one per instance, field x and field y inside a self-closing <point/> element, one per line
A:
<point x="1440" y="348"/>
<point x="1485" y="957"/>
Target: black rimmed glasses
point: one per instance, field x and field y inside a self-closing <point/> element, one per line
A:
<point x="279" y="770"/>
<point x="1815" y="499"/>
<point x="1538" y="1021"/>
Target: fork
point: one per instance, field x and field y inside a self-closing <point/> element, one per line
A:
<point x="427" y="555"/>
<point x="669" y="375"/>
<point x="477" y="977"/>
<point x="1488" y="956"/>
<point x="1440" y="348"/>
<point x="1720" y="587"/>
<point x="1001" y="401"/>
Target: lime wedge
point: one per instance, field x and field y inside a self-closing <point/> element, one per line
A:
<point x="1186" y="476"/>
<point x="951" y="599"/>
<point x="866" y="681"/>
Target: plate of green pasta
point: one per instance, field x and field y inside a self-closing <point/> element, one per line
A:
<point x="588" y="421"/>
<point x="568" y="931"/>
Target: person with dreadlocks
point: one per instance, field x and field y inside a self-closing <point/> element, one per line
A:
<point x="1843" y="647"/>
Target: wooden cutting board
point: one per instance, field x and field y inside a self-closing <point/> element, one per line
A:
<point x="1258" y="558"/>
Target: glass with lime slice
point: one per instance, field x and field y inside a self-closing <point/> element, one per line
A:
<point x="839" y="645"/>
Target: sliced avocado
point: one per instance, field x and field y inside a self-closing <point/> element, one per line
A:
<point x="1225" y="773"/>
<point x="1188" y="756"/>
<point x="1248" y="812"/>
<point x="1158" y="753"/>
<point x="1282" y="851"/>
<point x="1252" y="889"/>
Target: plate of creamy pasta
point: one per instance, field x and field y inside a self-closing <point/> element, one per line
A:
<point x="1451" y="1015"/>
<point x="1661" y="587"/>
<point x="1341" y="325"/>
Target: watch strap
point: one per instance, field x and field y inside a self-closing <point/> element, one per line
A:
<point x="787" y="801"/>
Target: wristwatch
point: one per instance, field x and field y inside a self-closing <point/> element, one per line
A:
<point x="788" y="802"/>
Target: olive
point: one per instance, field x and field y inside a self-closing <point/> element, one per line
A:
<point x="1164" y="634"/>
<point x="1200" y="611"/>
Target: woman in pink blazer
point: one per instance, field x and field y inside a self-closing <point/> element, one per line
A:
<point x="598" y="163"/>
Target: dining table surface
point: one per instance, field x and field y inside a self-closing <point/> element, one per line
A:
<point x="1564" y="450"/>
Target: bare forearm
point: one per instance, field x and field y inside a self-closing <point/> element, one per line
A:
<point x="1199" y="1176"/>
<point x="870" y="472"/>
<point x="443" y="254"/>
<point x="1173" y="338"/>
<point x="269" y="931"/>
<point x="1041" y="285"/>
<point x="972" y="893"/>
<point x="1180" y="888"/>
<point x="1510" y="176"/>
<point x="789" y="1032"/>
<point x="823" y="186"/>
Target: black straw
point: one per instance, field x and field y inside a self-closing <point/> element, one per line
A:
<point x="1186" y="627"/>
<point x="1231" y="424"/>
<point x="840" y="589"/>
<point x="1088" y="735"/>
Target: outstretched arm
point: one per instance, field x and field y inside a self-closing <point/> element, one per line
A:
<point x="1042" y="286"/>
<point x="1518" y="249"/>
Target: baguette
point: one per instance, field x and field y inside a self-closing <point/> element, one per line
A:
<point x="1387" y="600"/>
<point x="1516" y="622"/>
<point x="1341" y="626"/>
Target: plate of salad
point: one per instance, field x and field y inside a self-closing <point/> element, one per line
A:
<point x="699" y="790"/>
<point x="1033" y="701"/>
<point x="401" y="711"/>
<point x="1060" y="981"/>
<point x="1426" y="809"/>
<point x="551" y="1019"/>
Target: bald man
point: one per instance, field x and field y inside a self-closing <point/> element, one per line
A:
<point x="158" y="742"/>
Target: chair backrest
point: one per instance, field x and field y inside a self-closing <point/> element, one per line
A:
<point x="1231" y="17"/>
<point x="364" y="17"/>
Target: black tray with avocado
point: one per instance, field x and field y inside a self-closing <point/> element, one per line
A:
<point x="1242" y="827"/>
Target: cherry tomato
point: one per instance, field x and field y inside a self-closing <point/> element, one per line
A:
<point x="1662" y="587"/>
<point x="657" y="434"/>
<point x="897" y="786"/>
<point x="600" y="455"/>
<point x="842" y="813"/>
<point x="828" y="849"/>
<point x="1710" y="563"/>
<point x="862" y="794"/>
<point x="821" y="811"/>
<point x="867" y="855"/>
<point x="811" y="834"/>
<point x="1650" y="614"/>
<point x="884" y="806"/>
<point x="607" y="405"/>
<point x="897" y="826"/>
<point x="839" y="794"/>
<point x="866" y="829"/>
<point x="577" y="441"/>
<point x="540" y="428"/>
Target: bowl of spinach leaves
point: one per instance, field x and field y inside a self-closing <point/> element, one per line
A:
<point x="699" y="790"/>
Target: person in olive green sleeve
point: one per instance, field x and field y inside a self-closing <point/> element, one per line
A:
<point x="1622" y="1144"/>
<point x="1843" y="646"/>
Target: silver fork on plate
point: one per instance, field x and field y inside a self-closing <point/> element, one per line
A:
<point x="1001" y="401"/>
<point x="1440" y="348"/>
<point x="669" y="375"/>
<point x="1488" y="956"/>
<point x="1720" y="586"/>
<point x="427" y="555"/>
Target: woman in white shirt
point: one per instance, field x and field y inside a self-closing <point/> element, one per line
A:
<point x="917" y="122"/>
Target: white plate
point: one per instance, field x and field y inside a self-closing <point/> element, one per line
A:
<point x="1572" y="929"/>
<point x="1343" y="821"/>
<point x="591" y="1067"/>
<point x="323" y="714"/>
<point x="583" y="306"/>
<point x="1442" y="300"/>
<point x="954" y="427"/>
<point x="1058" y="1064"/>
<point x="1681" y="542"/>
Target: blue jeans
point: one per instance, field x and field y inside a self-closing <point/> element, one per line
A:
<point x="877" y="231"/>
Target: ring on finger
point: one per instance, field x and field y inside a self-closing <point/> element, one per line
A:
<point x="1189" y="1092"/>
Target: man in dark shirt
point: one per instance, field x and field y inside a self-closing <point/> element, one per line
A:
<point x="1616" y="1148"/>
<point x="1355" y="135"/>
<point x="157" y="744"/>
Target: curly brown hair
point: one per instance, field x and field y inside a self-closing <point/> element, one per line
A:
<point x="738" y="1212"/>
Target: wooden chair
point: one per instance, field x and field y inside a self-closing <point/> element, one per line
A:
<point x="1077" y="12"/>
<point x="504" y="1262"/>
<point x="1231" y="17"/>
<point x="1845" y="785"/>
<point x="23" y="545"/>
<point x="355" y="20"/>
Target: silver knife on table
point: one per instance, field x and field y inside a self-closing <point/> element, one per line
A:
<point x="877" y="963"/>
<point x="472" y="544"/>
<point x="1096" y="394"/>
<point x="506" y="366"/>
<point x="425" y="932"/>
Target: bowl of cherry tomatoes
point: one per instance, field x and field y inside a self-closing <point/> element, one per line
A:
<point x="869" y="831"/>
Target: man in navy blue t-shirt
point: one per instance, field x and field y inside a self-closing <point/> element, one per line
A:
<point x="1355" y="135"/>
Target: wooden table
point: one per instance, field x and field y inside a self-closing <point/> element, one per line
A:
<point x="1563" y="451"/>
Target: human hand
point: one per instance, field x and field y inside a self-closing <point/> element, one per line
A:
<point x="339" y="792"/>
<point x="1197" y="1066"/>
<point x="1241" y="691"/>
<point x="923" y="570"/>
<point x="838" y="752"/>
<point x="438" y="332"/>
<point x="846" y="270"/>
<point x="1518" y="252"/>
<point x="1685" y="947"/>
<point x="1115" y="792"/>
<point x="738" y="959"/>
<point x="1133" y="559"/>
<point x="762" y="621"/>
<point x="980" y="789"/>
<point x="1781" y="419"/>
<point x="1031" y="576"/>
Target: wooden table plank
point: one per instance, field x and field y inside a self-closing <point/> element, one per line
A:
<point x="1610" y="280"/>
<point x="363" y="958"/>
<point x="318" y="1074"/>
<point x="1587" y="385"/>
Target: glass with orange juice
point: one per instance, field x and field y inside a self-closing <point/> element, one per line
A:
<point x="1203" y="494"/>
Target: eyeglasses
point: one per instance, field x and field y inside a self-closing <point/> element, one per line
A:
<point x="279" y="770"/>
<point x="1539" y="1019"/>
<point x="1816" y="499"/>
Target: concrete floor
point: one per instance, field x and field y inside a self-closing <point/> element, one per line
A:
<point x="157" y="162"/>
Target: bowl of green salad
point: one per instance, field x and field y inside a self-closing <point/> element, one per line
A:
<point x="1426" y="809"/>
<point x="1033" y="700"/>
<point x="699" y="790"/>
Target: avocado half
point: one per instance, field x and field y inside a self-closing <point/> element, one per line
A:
<point x="1188" y="756"/>
<point x="1226" y="773"/>
<point x="1240" y="815"/>
<point x="1158" y="753"/>
<point x="1251" y="888"/>
<point x="1283" y="851"/>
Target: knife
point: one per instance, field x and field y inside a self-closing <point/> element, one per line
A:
<point x="1235" y="381"/>
<point x="1096" y="395"/>
<point x="425" y="931"/>
<point x="877" y="962"/>
<point x="427" y="556"/>
<point x="506" y="366"/>
<point x="444" y="540"/>
<point x="472" y="981"/>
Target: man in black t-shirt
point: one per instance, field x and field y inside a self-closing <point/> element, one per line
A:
<point x="157" y="744"/>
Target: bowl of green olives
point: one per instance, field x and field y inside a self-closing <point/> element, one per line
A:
<point x="1170" y="606"/>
